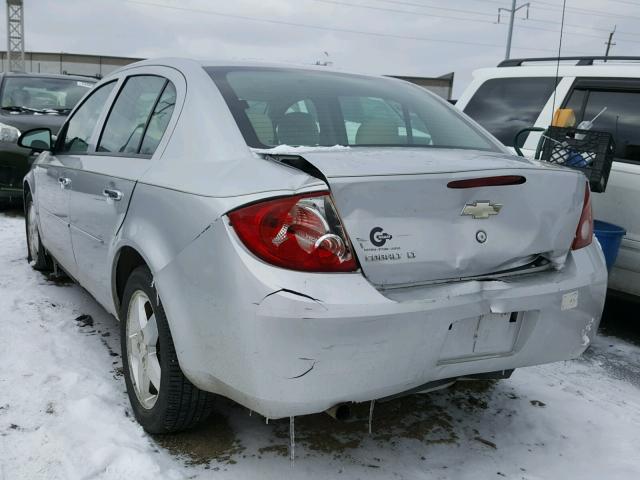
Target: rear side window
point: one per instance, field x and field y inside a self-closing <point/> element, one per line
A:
<point x="504" y="106"/>
<point x="127" y="121"/>
<point x="159" y="120"/>
<point x="621" y="118"/>
<point x="80" y="127"/>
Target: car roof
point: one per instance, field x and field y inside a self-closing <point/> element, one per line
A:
<point x="187" y="64"/>
<point x="548" y="69"/>
<point x="50" y="75"/>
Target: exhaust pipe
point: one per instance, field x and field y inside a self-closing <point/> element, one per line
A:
<point x="341" y="412"/>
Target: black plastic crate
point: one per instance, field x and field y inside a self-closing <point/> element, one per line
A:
<point x="588" y="151"/>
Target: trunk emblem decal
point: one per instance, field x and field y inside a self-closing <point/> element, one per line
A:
<point x="481" y="209"/>
<point x="379" y="237"/>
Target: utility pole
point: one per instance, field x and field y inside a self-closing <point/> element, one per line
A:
<point x="15" y="36"/>
<point x="512" y="11"/>
<point x="609" y="42"/>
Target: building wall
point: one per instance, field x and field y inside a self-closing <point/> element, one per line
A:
<point x="441" y="86"/>
<point x="73" y="64"/>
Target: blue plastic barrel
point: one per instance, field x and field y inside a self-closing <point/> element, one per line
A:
<point x="610" y="237"/>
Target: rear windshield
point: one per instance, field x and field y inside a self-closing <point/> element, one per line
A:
<point x="307" y="108"/>
<point x="504" y="106"/>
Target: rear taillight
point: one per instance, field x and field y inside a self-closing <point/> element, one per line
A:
<point x="584" y="233"/>
<point x="302" y="232"/>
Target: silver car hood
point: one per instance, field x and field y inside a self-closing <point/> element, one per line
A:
<point x="408" y="227"/>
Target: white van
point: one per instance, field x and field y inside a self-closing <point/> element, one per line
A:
<point x="522" y="93"/>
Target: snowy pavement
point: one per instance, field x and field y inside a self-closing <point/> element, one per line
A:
<point x="64" y="413"/>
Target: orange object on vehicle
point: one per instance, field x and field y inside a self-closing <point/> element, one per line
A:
<point x="564" y="117"/>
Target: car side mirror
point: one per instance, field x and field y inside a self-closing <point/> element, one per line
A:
<point x="38" y="139"/>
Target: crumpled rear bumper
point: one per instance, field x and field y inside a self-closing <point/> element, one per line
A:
<point x="288" y="343"/>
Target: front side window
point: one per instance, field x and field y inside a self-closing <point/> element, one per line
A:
<point x="79" y="128"/>
<point x="621" y="117"/>
<point x="307" y="108"/>
<point x="51" y="95"/>
<point x="504" y="106"/>
<point x="127" y="121"/>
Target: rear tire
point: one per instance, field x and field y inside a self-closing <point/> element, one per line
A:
<point x="36" y="253"/>
<point x="164" y="401"/>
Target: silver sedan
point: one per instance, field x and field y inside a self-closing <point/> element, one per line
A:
<point x="298" y="239"/>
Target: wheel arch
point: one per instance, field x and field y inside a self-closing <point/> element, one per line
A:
<point x="26" y="190"/>
<point x="126" y="260"/>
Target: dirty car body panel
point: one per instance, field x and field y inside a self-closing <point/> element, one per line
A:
<point x="432" y="299"/>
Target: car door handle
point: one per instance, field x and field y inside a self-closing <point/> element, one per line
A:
<point x="64" y="182"/>
<point x="112" y="194"/>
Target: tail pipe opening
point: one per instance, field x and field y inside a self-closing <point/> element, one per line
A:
<point x="341" y="412"/>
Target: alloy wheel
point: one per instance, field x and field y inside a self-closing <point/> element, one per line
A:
<point x="32" y="232"/>
<point x="142" y="349"/>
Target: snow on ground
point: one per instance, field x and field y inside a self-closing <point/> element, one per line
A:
<point x="64" y="413"/>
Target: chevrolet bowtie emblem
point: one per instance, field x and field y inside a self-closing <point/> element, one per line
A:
<point x="481" y="209"/>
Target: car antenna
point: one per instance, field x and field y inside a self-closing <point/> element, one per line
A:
<point x="553" y="106"/>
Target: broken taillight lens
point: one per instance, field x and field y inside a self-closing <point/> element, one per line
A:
<point x="584" y="232"/>
<point x="302" y="232"/>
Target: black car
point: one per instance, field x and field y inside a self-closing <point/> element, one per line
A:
<point x="29" y="100"/>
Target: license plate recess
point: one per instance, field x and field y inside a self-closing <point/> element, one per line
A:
<point x="493" y="334"/>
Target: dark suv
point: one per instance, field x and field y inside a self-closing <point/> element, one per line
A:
<point x="30" y="101"/>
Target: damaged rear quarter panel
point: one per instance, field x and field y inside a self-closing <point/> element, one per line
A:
<point x="162" y="221"/>
<point x="231" y="303"/>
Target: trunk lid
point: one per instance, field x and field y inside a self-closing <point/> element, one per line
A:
<point x="407" y="226"/>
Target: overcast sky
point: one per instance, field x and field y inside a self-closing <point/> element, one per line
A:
<point x="397" y="37"/>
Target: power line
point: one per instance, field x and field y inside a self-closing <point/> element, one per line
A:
<point x="559" y="7"/>
<point x="433" y="7"/>
<point x="528" y="27"/>
<point x="394" y="10"/>
<point x="625" y="2"/>
<point x="472" y="12"/>
<point x="324" y="28"/>
<point x="586" y="11"/>
<point x="573" y="25"/>
<point x="577" y="10"/>
<point x="503" y="4"/>
<point x="406" y="12"/>
<point x="530" y="19"/>
<point x="594" y="12"/>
